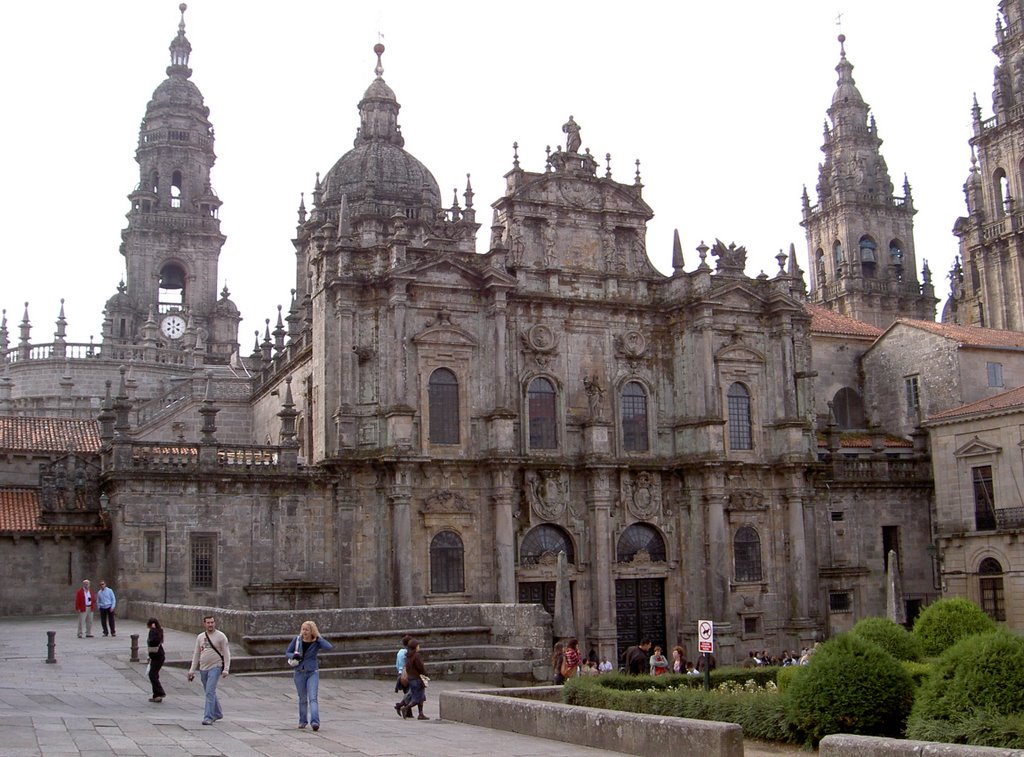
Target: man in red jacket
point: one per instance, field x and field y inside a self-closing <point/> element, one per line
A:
<point x="85" y="601"/>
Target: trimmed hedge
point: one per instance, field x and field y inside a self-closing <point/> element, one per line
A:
<point x="623" y="682"/>
<point x="850" y="686"/>
<point x="945" y="622"/>
<point x="983" y="673"/>
<point x="890" y="636"/>
<point x="761" y="716"/>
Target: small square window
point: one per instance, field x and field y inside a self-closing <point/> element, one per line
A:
<point x="995" y="374"/>
<point x="838" y="515"/>
<point x="840" y="601"/>
<point x="750" y="626"/>
<point x="203" y="561"/>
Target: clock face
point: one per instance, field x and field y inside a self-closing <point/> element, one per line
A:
<point x="173" y="326"/>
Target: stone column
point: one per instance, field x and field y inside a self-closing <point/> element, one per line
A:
<point x="500" y="357"/>
<point x="600" y="499"/>
<point x="718" y="566"/>
<point x="401" y="537"/>
<point x="504" y="496"/>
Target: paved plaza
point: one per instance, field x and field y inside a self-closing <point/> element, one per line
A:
<point x="93" y="701"/>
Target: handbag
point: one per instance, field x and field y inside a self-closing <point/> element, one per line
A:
<point x="403" y="678"/>
<point x="567" y="670"/>
<point x="296" y="657"/>
<point x="426" y="681"/>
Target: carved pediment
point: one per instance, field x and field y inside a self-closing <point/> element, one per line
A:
<point x="739" y="353"/>
<point x="746" y="499"/>
<point x="976" y="447"/>
<point x="441" y="330"/>
<point x="446" y="501"/>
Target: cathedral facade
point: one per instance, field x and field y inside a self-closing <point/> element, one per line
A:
<point x="432" y="424"/>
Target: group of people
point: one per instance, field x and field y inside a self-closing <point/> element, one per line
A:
<point x="412" y="679"/>
<point x="643" y="658"/>
<point x="759" y="658"/>
<point x="87" y="601"/>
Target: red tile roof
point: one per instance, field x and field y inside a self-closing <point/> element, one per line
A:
<point x="970" y="336"/>
<point x="825" y="321"/>
<point x="857" y="439"/>
<point x="1005" y="401"/>
<point x="48" y="434"/>
<point x="19" y="513"/>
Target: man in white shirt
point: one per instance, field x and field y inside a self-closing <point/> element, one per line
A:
<point x="212" y="658"/>
<point x="106" y="601"/>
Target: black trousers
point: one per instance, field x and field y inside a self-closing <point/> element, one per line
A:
<point x="107" y="617"/>
<point x="156" y="661"/>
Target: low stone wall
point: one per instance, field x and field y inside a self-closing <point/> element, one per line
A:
<point x="517" y="625"/>
<point x="844" y="745"/>
<point x="523" y="711"/>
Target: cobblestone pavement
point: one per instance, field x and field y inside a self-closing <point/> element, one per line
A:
<point x="93" y="701"/>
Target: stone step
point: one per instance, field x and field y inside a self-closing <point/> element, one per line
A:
<point x="496" y="672"/>
<point x="372" y="640"/>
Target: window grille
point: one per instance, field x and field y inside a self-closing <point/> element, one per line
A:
<point x="984" y="498"/>
<point x="991" y="584"/>
<point x="541" y="400"/>
<point x="542" y="540"/>
<point x="740" y="434"/>
<point x="747" y="555"/>
<point x="640" y="537"/>
<point x="443" y="398"/>
<point x="634" y="418"/>
<point x="446" y="564"/>
<point x="203" y="553"/>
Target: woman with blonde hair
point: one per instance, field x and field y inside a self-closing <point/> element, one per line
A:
<point x="302" y="656"/>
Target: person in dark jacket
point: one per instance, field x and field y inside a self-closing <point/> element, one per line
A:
<point x="304" y="650"/>
<point x="155" y="645"/>
<point x="417" y="674"/>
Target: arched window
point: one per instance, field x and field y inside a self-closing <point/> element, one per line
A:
<point x="746" y="550"/>
<point x="740" y="435"/>
<point x="819" y="265"/>
<point x="896" y="252"/>
<point x="634" y="418"/>
<point x="176" y="189"/>
<point x="154" y="182"/>
<point x="541" y="400"/>
<point x="1001" y="186"/>
<point x="848" y="407"/>
<point x="640" y="539"/>
<point x="545" y="541"/>
<point x="172" y="285"/>
<point x="837" y="257"/>
<point x="443" y="396"/>
<point x="868" y="256"/>
<point x="990" y="574"/>
<point x="446" y="564"/>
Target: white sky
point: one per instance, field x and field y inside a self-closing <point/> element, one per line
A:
<point x="722" y="102"/>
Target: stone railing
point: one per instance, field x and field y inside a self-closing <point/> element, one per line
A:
<point x="1010" y="517"/>
<point x="881" y="470"/>
<point x="191" y="458"/>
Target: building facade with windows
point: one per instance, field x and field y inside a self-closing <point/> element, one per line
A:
<point x="430" y="424"/>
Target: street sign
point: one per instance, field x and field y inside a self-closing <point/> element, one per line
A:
<point x="705" y="637"/>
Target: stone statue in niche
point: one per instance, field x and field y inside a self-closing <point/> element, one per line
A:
<point x="595" y="397"/>
<point x="548" y="493"/>
<point x="548" y="250"/>
<point x="516" y="242"/>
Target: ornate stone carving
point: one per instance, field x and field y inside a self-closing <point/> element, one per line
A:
<point x="642" y="495"/>
<point x="572" y="131"/>
<point x="746" y="499"/>
<point x="595" y="397"/>
<point x="542" y="342"/>
<point x="632" y="347"/>
<point x="445" y="501"/>
<point x="548" y="492"/>
<point x="731" y="258"/>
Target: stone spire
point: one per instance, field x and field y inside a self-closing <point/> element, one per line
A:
<point x="180" y="49"/>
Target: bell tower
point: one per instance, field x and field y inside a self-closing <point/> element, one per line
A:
<point x="173" y="240"/>
<point x="987" y="282"/>
<point x="860" y="236"/>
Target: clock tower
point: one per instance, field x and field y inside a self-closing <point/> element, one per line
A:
<point x="173" y="240"/>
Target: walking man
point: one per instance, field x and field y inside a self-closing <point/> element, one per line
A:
<point x="106" y="601"/>
<point x="212" y="658"/>
<point x="84" y="603"/>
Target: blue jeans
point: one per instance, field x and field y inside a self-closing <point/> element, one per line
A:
<point x="307" y="685"/>
<point x="210" y="678"/>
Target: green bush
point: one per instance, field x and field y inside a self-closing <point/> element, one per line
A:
<point x="944" y="623"/>
<point x="979" y="673"/>
<point x="918" y="671"/>
<point x="979" y="729"/>
<point x="761" y="715"/>
<point x="890" y="636"/>
<point x="850" y="686"/>
<point x="760" y="676"/>
<point x="784" y="678"/>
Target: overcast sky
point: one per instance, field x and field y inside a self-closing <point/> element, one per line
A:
<point x="723" y="103"/>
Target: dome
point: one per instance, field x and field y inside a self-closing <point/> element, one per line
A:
<point x="177" y="92"/>
<point x="383" y="173"/>
<point x="846" y="91"/>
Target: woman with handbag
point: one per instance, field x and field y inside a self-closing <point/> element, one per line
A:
<point x="416" y="672"/>
<point x="155" y="646"/>
<point x="302" y="656"/>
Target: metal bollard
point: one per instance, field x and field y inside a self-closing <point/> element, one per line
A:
<point x="135" y="648"/>
<point x="51" y="646"/>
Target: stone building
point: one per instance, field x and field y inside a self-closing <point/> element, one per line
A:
<point x="986" y="280"/>
<point x="860" y="235"/>
<point x="431" y="424"/>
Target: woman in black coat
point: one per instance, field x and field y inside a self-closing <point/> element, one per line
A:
<point x="155" y="643"/>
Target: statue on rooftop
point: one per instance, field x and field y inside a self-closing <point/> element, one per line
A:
<point x="572" y="140"/>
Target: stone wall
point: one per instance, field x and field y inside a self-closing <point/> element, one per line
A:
<point x="41" y="574"/>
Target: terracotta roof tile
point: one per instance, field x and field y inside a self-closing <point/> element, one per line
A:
<point x="825" y="321"/>
<point x="48" y="434"/>
<point x="970" y="336"/>
<point x="856" y="439"/>
<point x="19" y="513"/>
<point x="1005" y="401"/>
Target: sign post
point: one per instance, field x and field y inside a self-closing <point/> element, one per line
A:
<point x="706" y="647"/>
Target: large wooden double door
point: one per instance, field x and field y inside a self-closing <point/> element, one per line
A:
<point x="639" y="612"/>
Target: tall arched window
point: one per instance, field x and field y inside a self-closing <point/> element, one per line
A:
<point x="848" y="408"/>
<point x="541" y="400"/>
<point x="447" y="575"/>
<point x="545" y="540"/>
<point x="837" y="257"/>
<point x="443" y="396"/>
<point x="640" y="538"/>
<point x="868" y="256"/>
<point x="1001" y="187"/>
<point x="176" y="189"/>
<point x="990" y="574"/>
<point x="740" y="435"/>
<point x="634" y="418"/>
<point x="746" y="550"/>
